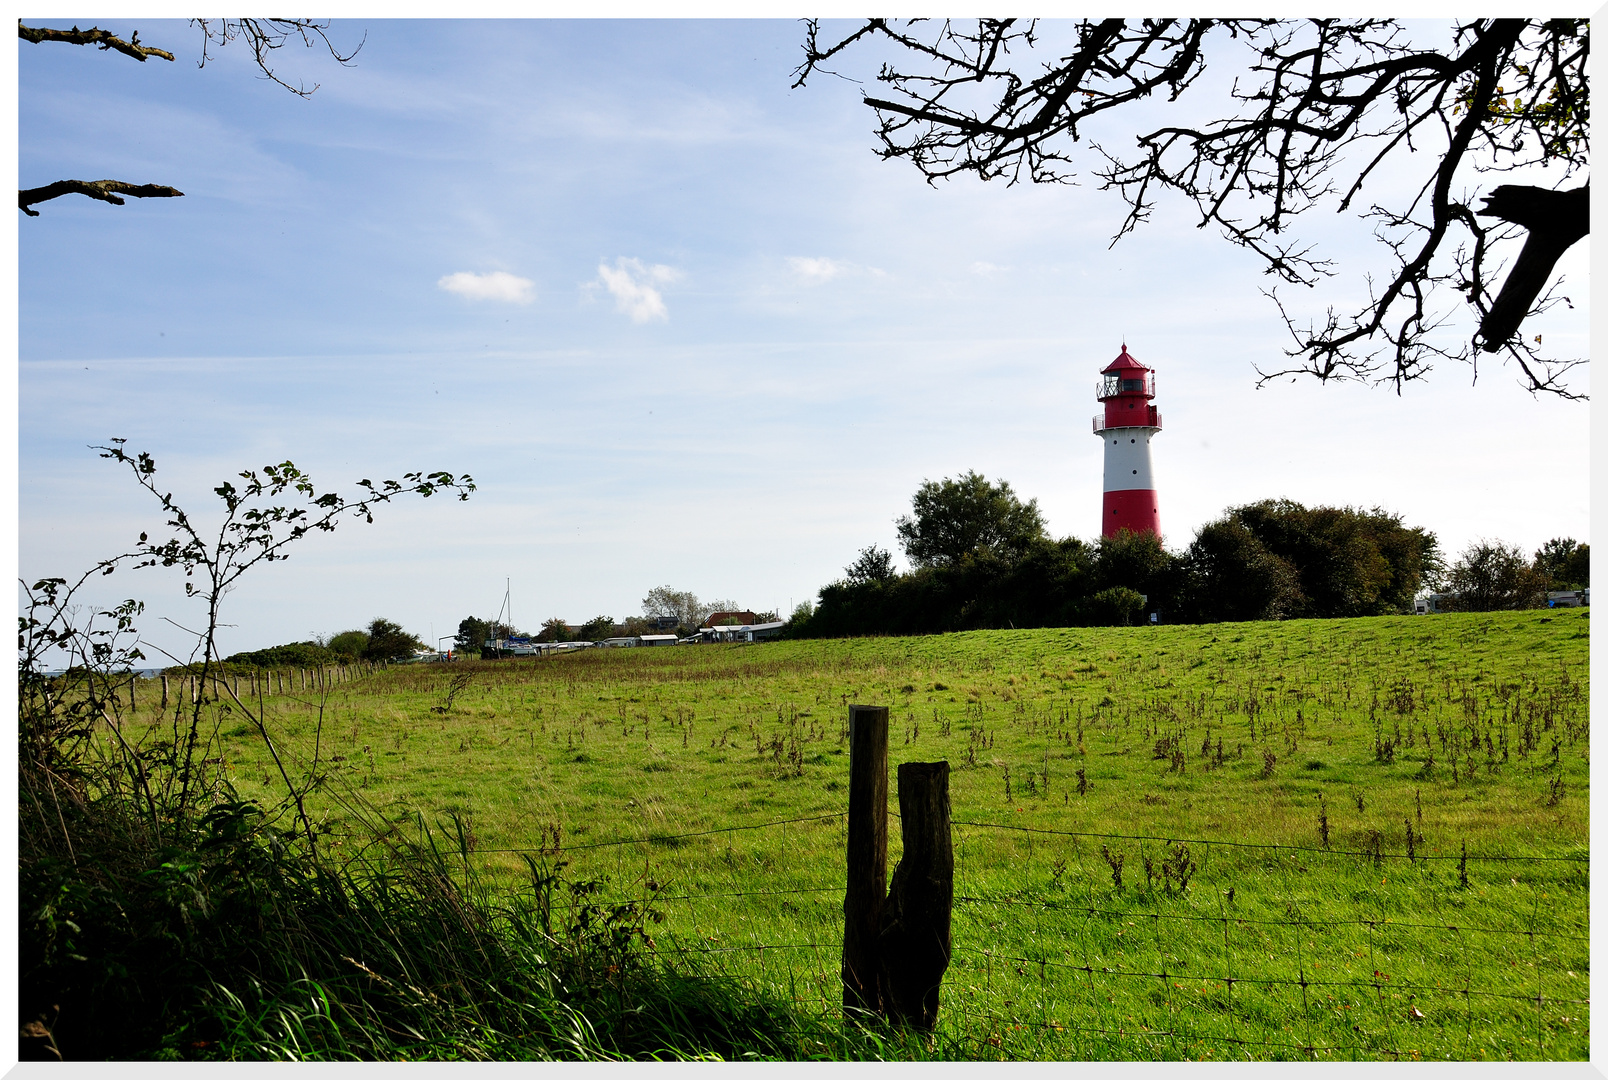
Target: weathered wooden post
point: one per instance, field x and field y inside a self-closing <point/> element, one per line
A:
<point x="867" y="857"/>
<point x="164" y="692"/>
<point x="133" y="706"/>
<point x="913" y="946"/>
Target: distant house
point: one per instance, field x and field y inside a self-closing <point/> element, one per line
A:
<point x="723" y="618"/>
<point x="663" y="622"/>
<point x="1569" y="598"/>
<point x="514" y="646"/>
<point x="619" y="643"/>
<point x="750" y="632"/>
<point x="658" y="639"/>
<point x="1434" y="603"/>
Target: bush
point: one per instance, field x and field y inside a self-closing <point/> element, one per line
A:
<point x="1115" y="607"/>
<point x="297" y="654"/>
<point x="348" y="644"/>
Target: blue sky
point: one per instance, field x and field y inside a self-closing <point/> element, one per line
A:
<point x="677" y="320"/>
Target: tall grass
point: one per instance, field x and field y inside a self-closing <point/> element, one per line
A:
<point x="229" y="934"/>
<point x="165" y="916"/>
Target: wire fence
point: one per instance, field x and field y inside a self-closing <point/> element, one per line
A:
<point x="1079" y="963"/>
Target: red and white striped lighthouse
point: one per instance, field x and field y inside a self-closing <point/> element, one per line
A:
<point x="1127" y="426"/>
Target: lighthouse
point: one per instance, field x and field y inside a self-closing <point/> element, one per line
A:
<point x="1127" y="426"/>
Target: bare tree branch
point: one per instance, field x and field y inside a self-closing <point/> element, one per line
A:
<point x="266" y="35"/>
<point x="104" y="190"/>
<point x="1324" y="104"/>
<point x="93" y="36"/>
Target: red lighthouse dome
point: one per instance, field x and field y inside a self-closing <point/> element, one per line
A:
<point x="1126" y="427"/>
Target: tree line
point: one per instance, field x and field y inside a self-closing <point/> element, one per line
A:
<point x="383" y="640"/>
<point x="981" y="558"/>
<point x="665" y="610"/>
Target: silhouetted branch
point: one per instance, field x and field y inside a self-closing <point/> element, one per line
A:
<point x="266" y="35"/>
<point x="1321" y="105"/>
<point x="1555" y="220"/>
<point x="93" y="36"/>
<point x="104" y="190"/>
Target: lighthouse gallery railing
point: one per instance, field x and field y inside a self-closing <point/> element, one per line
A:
<point x="1152" y="420"/>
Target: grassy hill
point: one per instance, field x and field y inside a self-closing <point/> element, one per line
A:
<point x="1383" y="823"/>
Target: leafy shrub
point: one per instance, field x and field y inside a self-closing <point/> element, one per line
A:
<point x="297" y="654"/>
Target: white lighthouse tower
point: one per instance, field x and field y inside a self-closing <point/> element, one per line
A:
<point x="1127" y="426"/>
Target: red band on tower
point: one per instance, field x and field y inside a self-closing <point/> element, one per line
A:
<point x="1128" y="424"/>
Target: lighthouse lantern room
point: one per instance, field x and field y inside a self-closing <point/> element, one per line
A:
<point x="1127" y="426"/>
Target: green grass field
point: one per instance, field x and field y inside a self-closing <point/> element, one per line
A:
<point x="714" y="780"/>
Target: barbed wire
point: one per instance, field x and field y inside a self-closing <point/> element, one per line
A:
<point x="1056" y="1026"/>
<point x="1078" y="834"/>
<point x="542" y="849"/>
<point x="1069" y="905"/>
<point x="1303" y="982"/>
<point x="1274" y="847"/>
<point x="763" y="946"/>
<point x="656" y="897"/>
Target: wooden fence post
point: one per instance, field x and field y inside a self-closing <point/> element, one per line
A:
<point x="913" y="946"/>
<point x="867" y="857"/>
<point x="164" y="692"/>
<point x="132" y="679"/>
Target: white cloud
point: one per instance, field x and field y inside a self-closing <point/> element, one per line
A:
<point x="497" y="285"/>
<point x="816" y="269"/>
<point x="632" y="284"/>
<point x="985" y="269"/>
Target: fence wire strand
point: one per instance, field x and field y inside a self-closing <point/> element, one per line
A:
<point x="823" y="970"/>
<point x="1293" y="848"/>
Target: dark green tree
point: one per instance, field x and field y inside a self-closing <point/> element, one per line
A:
<point x="388" y="641"/>
<point x="873" y="564"/>
<point x="1230" y="576"/>
<point x="1493" y="576"/>
<point x="1348" y="562"/>
<point x="472" y="635"/>
<point x="967" y="517"/>
<point x="297" y="654"/>
<point x="1136" y="561"/>
<point x="1565" y="564"/>
<point x="1117" y="606"/>
<point x="348" y="644"/>
<point x="597" y="629"/>
<point x="555" y="629"/>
